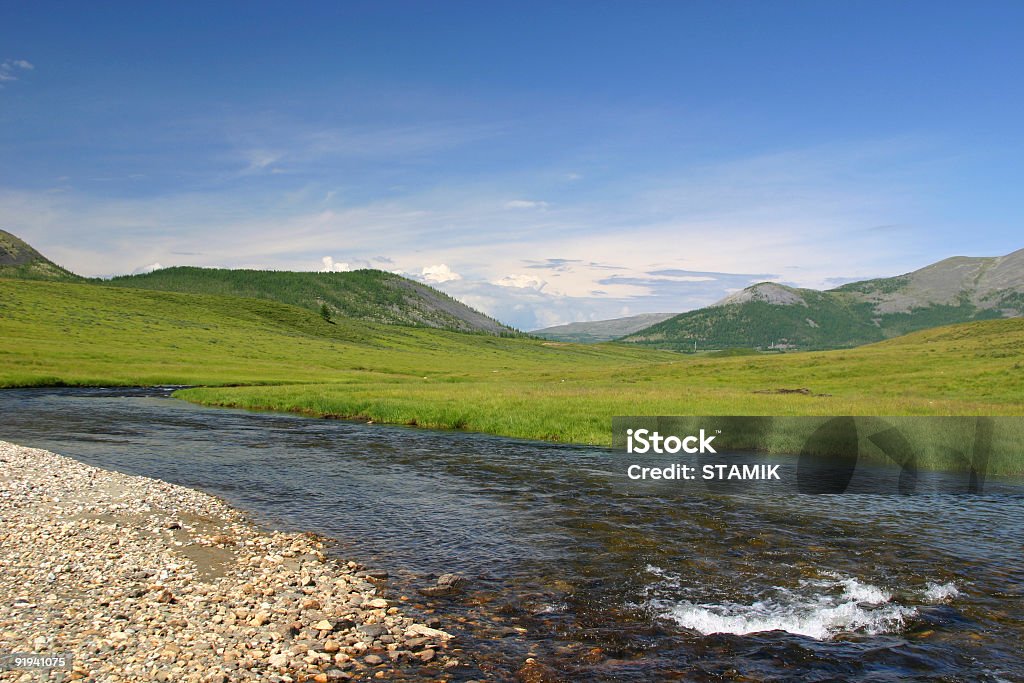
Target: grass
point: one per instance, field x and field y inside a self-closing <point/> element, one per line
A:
<point x="88" y="334"/>
<point x="293" y="360"/>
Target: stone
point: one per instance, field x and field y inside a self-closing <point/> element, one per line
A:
<point x="372" y="630"/>
<point x="533" y="671"/>
<point x="452" y="580"/>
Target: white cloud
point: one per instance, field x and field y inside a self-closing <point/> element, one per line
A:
<point x="260" y="160"/>
<point x="681" y="278"/>
<point x="147" y="269"/>
<point x="525" y="204"/>
<point x="521" y="281"/>
<point x="332" y="266"/>
<point x="439" y="273"/>
<point x="9" y="69"/>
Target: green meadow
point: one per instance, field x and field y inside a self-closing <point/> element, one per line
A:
<point x="252" y="353"/>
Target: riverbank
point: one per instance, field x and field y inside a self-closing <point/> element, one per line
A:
<point x="138" y="579"/>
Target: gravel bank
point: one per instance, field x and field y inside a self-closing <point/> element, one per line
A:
<point x="140" y="580"/>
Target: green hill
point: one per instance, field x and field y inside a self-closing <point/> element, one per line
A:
<point x="769" y="315"/>
<point x="19" y="260"/>
<point x="364" y="294"/>
<point x="371" y="295"/>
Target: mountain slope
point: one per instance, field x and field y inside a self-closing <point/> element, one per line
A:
<point x="983" y="282"/>
<point x="364" y="294"/>
<point x="770" y="315"/>
<point x="19" y="260"/>
<point x="370" y="295"/>
<point x="601" y="330"/>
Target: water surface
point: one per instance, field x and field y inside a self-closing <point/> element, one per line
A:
<point x="600" y="577"/>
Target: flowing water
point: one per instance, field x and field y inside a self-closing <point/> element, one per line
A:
<point x="598" y="576"/>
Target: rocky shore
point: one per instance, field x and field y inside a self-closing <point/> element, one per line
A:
<point x="140" y="580"/>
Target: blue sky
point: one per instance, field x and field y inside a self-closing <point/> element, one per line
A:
<point x="545" y="162"/>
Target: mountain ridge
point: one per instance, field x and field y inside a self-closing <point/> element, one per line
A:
<point x="770" y="315"/>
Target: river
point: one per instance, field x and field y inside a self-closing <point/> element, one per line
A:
<point x="598" y="576"/>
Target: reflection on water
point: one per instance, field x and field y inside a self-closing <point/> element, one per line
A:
<point x="602" y="577"/>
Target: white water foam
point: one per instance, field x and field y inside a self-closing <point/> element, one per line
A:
<point x="940" y="592"/>
<point x="819" y="609"/>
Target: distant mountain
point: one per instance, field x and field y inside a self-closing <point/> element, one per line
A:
<point x="601" y="330"/>
<point x="19" y="260"/>
<point x="364" y="294"/>
<point x="767" y="315"/>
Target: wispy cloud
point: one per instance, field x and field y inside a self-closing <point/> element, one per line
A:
<point x="12" y="69"/>
<point x="562" y="264"/>
<point x="277" y="145"/>
<point x="521" y="281"/>
<point x="525" y="204"/>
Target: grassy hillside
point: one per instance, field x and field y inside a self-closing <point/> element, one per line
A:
<point x="91" y="334"/>
<point x="366" y="294"/>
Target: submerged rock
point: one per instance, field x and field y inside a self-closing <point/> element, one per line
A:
<point x="532" y="671"/>
<point x="447" y="584"/>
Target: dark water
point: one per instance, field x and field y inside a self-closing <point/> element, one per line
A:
<point x="600" y="577"/>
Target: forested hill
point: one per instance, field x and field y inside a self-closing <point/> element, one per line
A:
<point x="364" y="294"/>
<point x="771" y="315"/>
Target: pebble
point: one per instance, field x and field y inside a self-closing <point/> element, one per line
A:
<point x="89" y="567"/>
